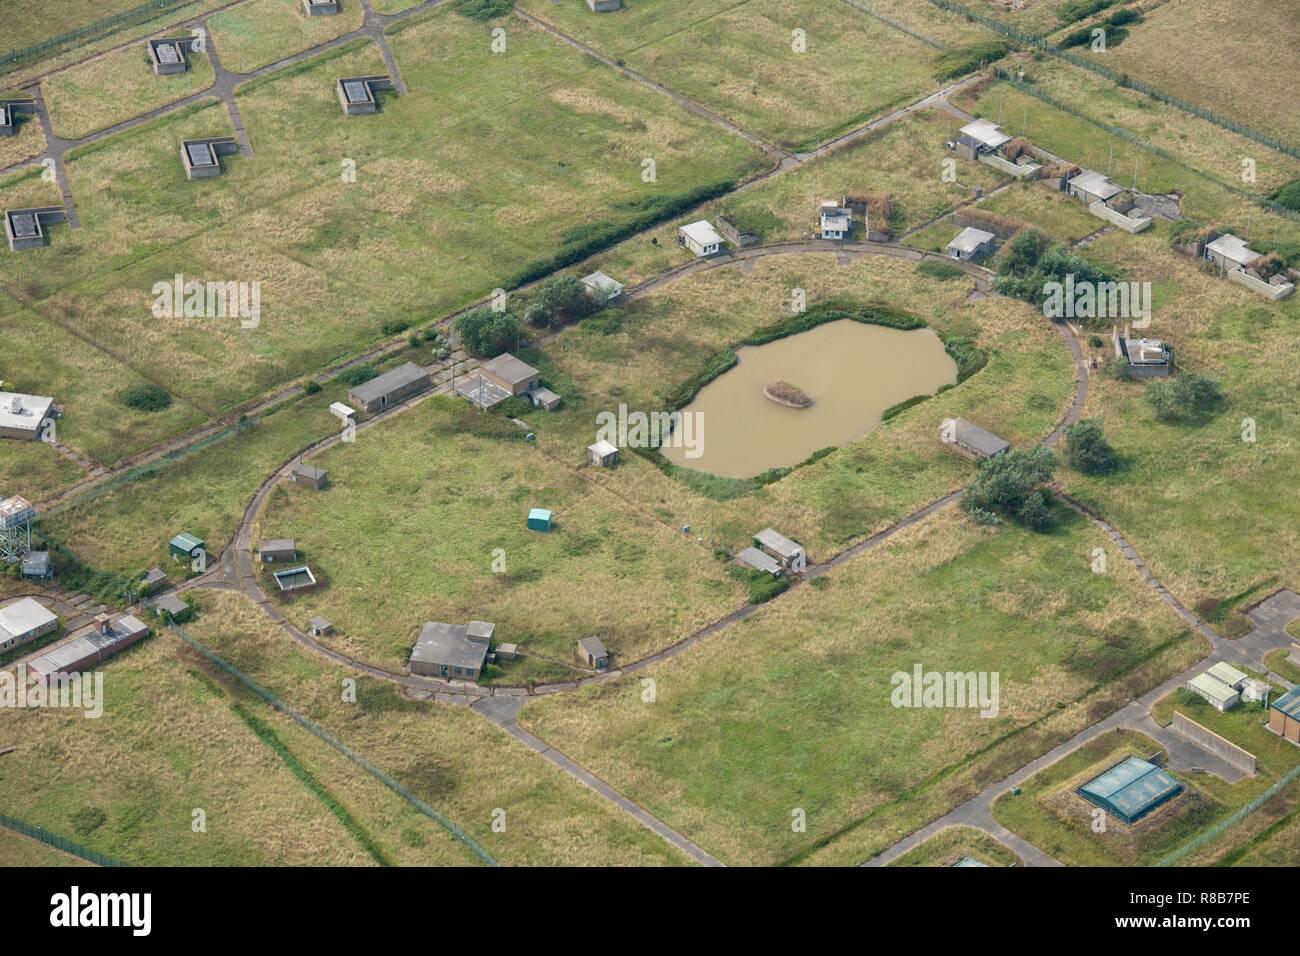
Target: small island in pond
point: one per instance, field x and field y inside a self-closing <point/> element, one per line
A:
<point x="783" y="393"/>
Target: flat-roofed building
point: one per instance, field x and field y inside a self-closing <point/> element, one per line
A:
<point x="202" y="157"/>
<point x="153" y="579"/>
<point x="969" y="438"/>
<point x="278" y="549"/>
<point x="1146" y="358"/>
<point x="107" y="637"/>
<point x="1131" y="789"/>
<point x="1219" y="695"/>
<point x="25" y="228"/>
<point x="24" y="416"/>
<point x="700" y="238"/>
<point x="512" y="374"/>
<point x="603" y="286"/>
<point x="356" y="94"/>
<point x="836" y="221"/>
<point x="25" y="620"/>
<point x="320" y="8"/>
<point x="391" y="388"/>
<point x="604" y="6"/>
<point x="452" y="651"/>
<point x="592" y="653"/>
<point x="1229" y="252"/>
<point x="759" y="561"/>
<point x="36" y="566"/>
<point x="170" y="606"/>
<point x="168" y="56"/>
<point x="1090" y="186"/>
<point x="309" y="475"/>
<point x="980" y="136"/>
<point x="790" y="554"/>
<point x="971" y="244"/>
<point x="603" y="454"/>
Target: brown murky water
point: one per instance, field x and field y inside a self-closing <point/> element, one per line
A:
<point x="853" y="372"/>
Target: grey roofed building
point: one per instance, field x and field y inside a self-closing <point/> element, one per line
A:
<point x="200" y="156"/>
<point x="319" y="627"/>
<point x="170" y="603"/>
<point x="760" y="561"/>
<point x="985" y="134"/>
<point x="972" y="438"/>
<point x="1092" y="186"/>
<point x="779" y="546"/>
<point x="1230" y="250"/>
<point x="604" y="285"/>
<point x="544" y="398"/>
<point x="514" y="375"/>
<point x="971" y="243"/>
<point x="6" y="120"/>
<point x="969" y="861"/>
<point x="320" y="8"/>
<point x="391" y="388"/>
<point x="25" y="228"/>
<point x="450" y="650"/>
<point x="21" y="415"/>
<point x="90" y="647"/>
<point x="168" y="56"/>
<point x="593" y="653"/>
<point x="153" y="579"/>
<point x="305" y="474"/>
<point x="36" y="565"/>
<point x="480" y="391"/>
<point x="278" y="549"/>
<point x="24" y="619"/>
<point x="356" y="94"/>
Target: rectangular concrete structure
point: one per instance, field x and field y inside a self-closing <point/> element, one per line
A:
<point x="25" y="228"/>
<point x="391" y="388"/>
<point x="202" y="157"/>
<point x="604" y="6"/>
<point x="90" y="647"/>
<point x="24" y="416"/>
<point x="971" y="439"/>
<point x="1209" y="741"/>
<point x="356" y="94"/>
<point x="320" y="8"/>
<point x="168" y="56"/>
<point x="452" y="651"/>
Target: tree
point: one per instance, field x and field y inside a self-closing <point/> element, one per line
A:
<point x="1004" y="483"/>
<point x="1087" y="450"/>
<point x="485" y="333"/>
<point x="1036" y="513"/>
<point x="561" y="299"/>
<point x="1186" y="396"/>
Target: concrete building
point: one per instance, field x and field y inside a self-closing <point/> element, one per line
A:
<point x="1090" y="186"/>
<point x="604" y="6"/>
<point x="344" y="413"/>
<point x="391" y="388"/>
<point x="971" y="244"/>
<point x="835" y="222"/>
<point x="603" y="454"/>
<point x="701" y="238"/>
<point x="452" y="651"/>
<point x="294" y="579"/>
<point x="1227" y="674"/>
<point x="153" y="579"/>
<point x="1147" y="358"/>
<point x="790" y="554"/>
<point x="170" y="606"/>
<point x="202" y="157"/>
<point x="1228" y="252"/>
<point x="319" y="627"/>
<point x="24" y="416"/>
<point x="760" y="561"/>
<point x="1284" y="715"/>
<point x="980" y="137"/>
<point x="544" y="398"/>
<point x="36" y="566"/>
<point x="107" y="637"/>
<point x="168" y="56"/>
<point x="9" y="110"/>
<point x="25" y="228"/>
<point x="309" y="475"/>
<point x="592" y="653"/>
<point x="357" y="93"/>
<point x="1219" y="695"/>
<point x="25" y="620"/>
<point x="971" y="439"/>
<point x="278" y="549"/>
<point x="603" y="286"/>
<point x="515" y="376"/>
<point x="320" y="8"/>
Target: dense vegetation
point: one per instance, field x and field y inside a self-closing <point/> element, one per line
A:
<point x="484" y="332"/>
<point x="145" y="397"/>
<point x="1087" y="450"/>
<point x="1008" y="486"/>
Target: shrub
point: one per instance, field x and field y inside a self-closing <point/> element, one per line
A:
<point x="1004" y="484"/>
<point x="358" y="375"/>
<point x="561" y="299"/>
<point x="393" y="326"/>
<point x="1187" y="396"/>
<point x="312" y="387"/>
<point x="1289" y="195"/>
<point x="1087" y="450"/>
<point x="87" y="820"/>
<point x="939" y="270"/>
<point x="763" y="587"/>
<point x="1036" y="513"/>
<point x="485" y="333"/>
<point x="483" y="9"/>
<point x="1076" y="10"/>
<point x="145" y="397"/>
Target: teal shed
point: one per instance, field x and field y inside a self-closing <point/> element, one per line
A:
<point x="184" y="546"/>
<point x="539" y="519"/>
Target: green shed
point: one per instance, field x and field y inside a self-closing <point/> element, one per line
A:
<point x="185" y="545"/>
<point x="539" y="519"/>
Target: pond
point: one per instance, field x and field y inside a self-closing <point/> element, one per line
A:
<point x="852" y="372"/>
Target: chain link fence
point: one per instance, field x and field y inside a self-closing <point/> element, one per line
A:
<point x="58" y="842"/>
<point x="309" y="725"/>
<point x="135" y="15"/>
<point x="1229" y="821"/>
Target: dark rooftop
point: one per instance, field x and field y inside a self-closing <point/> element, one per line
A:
<point x="200" y="154"/>
<point x="167" y="52"/>
<point x="356" y="91"/>
<point x="24" y="224"/>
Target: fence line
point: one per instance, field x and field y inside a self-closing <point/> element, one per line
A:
<point x="1128" y="136"/>
<point x="58" y="842"/>
<point x="1230" y="821"/>
<point x="140" y="14"/>
<point x="312" y="727"/>
<point x="1121" y="79"/>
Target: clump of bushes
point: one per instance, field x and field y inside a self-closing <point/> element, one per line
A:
<point x="145" y="397"/>
<point x="1087" y="450"/>
<point x="485" y="332"/>
<point x="393" y="326"/>
<point x="1188" y="395"/>
<point x="483" y="9"/>
<point x="561" y="300"/>
<point x="1076" y="10"/>
<point x="939" y="270"/>
<point x="1289" y="195"/>
<point x="967" y="59"/>
<point x="763" y="586"/>
<point x="1008" y="486"/>
<point x="358" y="375"/>
<point x="1030" y="265"/>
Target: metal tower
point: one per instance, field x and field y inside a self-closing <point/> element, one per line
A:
<point x="16" y="517"/>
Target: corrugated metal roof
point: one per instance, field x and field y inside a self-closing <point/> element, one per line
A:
<point x="1289" y="703"/>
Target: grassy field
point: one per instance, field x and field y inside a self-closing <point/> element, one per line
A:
<point x="18" y="850"/>
<point x="952" y="843"/>
<point x="27" y="27"/>
<point x="738" y="58"/>
<point x="449" y="757"/>
<point x="667" y="337"/>
<point x="29" y="141"/>
<point x="117" y="86"/>
<point x="259" y="32"/>
<point x="1234" y="44"/>
<point x="608" y="567"/>
<point x="414" y="214"/>
<point x="126" y="790"/>
<point x="1200" y="504"/>
<point x="792" y="709"/>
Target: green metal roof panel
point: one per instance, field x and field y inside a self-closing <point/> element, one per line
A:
<point x="186" y="542"/>
<point x="1289" y="703"/>
<point x="1131" y="789"/>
